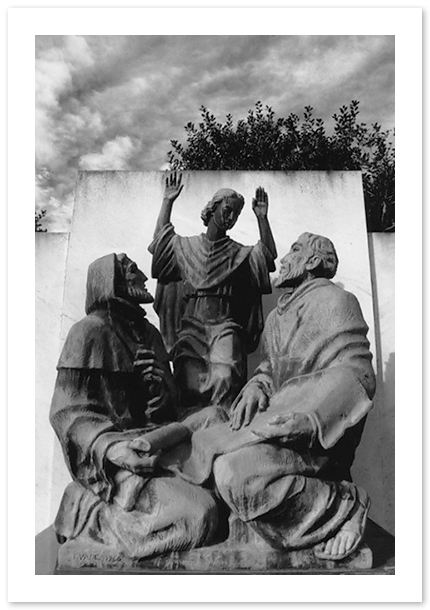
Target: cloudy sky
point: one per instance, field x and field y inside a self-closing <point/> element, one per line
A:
<point x="115" y="102"/>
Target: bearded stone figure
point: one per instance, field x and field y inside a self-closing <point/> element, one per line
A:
<point x="282" y="463"/>
<point x="112" y="410"/>
<point x="209" y="295"/>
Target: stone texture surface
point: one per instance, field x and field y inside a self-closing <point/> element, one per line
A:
<point x="374" y="466"/>
<point x="51" y="251"/>
<point x="116" y="211"/>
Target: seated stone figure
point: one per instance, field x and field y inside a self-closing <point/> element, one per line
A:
<point x="317" y="380"/>
<point x="282" y="463"/>
<point x="114" y="391"/>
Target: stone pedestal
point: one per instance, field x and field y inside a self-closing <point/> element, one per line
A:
<point x="243" y="552"/>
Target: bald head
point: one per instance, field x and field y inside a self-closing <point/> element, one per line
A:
<point x="324" y="249"/>
<point x="310" y="256"/>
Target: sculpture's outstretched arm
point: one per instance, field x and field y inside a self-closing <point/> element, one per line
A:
<point x="260" y="206"/>
<point x="173" y="188"/>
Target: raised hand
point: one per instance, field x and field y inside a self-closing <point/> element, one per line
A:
<point x="172" y="190"/>
<point x="252" y="400"/>
<point x="260" y="203"/>
<point x="153" y="377"/>
<point x="173" y="186"/>
<point x="148" y="366"/>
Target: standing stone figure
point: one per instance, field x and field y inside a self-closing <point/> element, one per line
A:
<point x="114" y="390"/>
<point x="282" y="463"/>
<point x="209" y="295"/>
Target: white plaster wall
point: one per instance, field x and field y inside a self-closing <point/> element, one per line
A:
<point x="374" y="464"/>
<point x="117" y="211"/>
<point x="51" y="251"/>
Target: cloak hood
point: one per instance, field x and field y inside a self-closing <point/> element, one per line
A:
<point x="108" y="337"/>
<point x="105" y="281"/>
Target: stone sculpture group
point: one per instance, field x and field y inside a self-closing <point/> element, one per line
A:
<point x="159" y="456"/>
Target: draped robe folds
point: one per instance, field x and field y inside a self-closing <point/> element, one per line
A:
<point x="99" y="400"/>
<point x="316" y="360"/>
<point x="209" y="302"/>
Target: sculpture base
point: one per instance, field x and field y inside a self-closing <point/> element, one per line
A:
<point x="216" y="559"/>
<point x="243" y="551"/>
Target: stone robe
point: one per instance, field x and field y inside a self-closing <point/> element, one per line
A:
<point x="316" y="360"/>
<point x="209" y="302"/>
<point x="99" y="400"/>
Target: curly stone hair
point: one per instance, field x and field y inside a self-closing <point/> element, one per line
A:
<point x="219" y="197"/>
<point x="324" y="248"/>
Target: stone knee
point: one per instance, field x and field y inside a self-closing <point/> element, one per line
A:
<point x="256" y="480"/>
<point x="230" y="480"/>
<point x="200" y="516"/>
<point x="172" y="515"/>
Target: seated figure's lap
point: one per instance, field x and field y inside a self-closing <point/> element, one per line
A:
<point x="256" y="479"/>
<point x="170" y="514"/>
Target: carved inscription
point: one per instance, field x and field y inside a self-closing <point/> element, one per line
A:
<point x="96" y="558"/>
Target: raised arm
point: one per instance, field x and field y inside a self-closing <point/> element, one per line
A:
<point x="172" y="190"/>
<point x="260" y="205"/>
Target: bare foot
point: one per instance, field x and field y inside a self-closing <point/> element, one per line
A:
<point x="347" y="539"/>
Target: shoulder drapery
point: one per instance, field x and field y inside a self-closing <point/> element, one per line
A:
<point x="206" y="264"/>
<point x="92" y="343"/>
<point x="203" y="263"/>
<point x="321" y="326"/>
<point x="108" y="338"/>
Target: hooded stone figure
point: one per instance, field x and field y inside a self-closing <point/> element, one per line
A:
<point x="113" y="409"/>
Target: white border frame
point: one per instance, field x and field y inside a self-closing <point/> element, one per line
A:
<point x="24" y="24"/>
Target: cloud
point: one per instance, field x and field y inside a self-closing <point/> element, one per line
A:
<point x="114" y="155"/>
<point x="115" y="102"/>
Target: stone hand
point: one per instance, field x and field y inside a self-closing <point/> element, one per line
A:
<point x="129" y="456"/>
<point x="253" y="400"/>
<point x="287" y="428"/>
<point x="173" y="186"/>
<point x="153" y="376"/>
<point x="149" y="368"/>
<point x="260" y="203"/>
